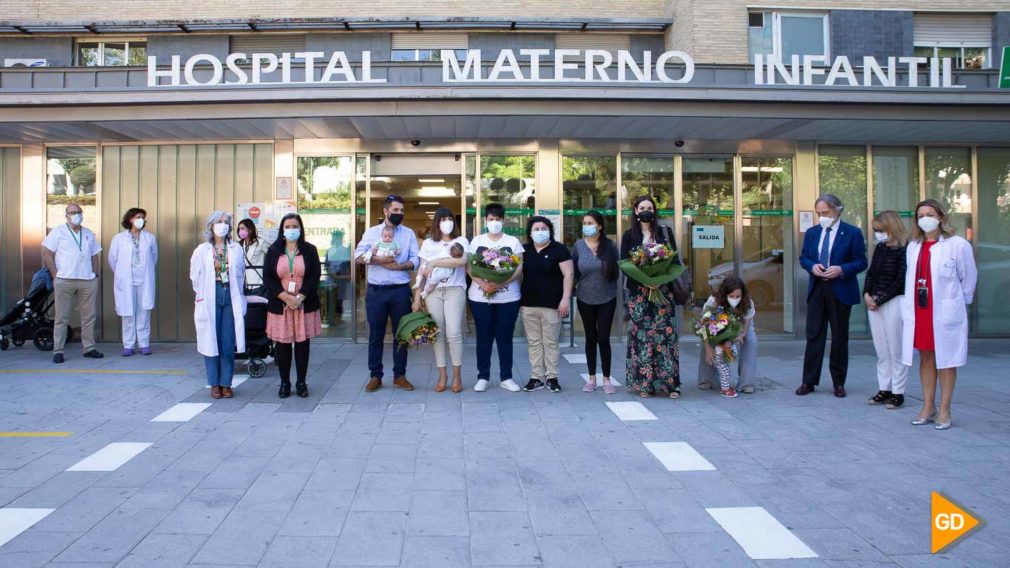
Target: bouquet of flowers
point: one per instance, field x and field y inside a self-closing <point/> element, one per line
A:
<point x="652" y="265"/>
<point x="716" y="326"/>
<point x="416" y="328"/>
<point x="494" y="265"/>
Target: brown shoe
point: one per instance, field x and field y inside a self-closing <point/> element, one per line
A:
<point x="226" y="392"/>
<point x="804" y="389"/>
<point x="215" y="392"/>
<point x="373" y="384"/>
<point x="403" y="383"/>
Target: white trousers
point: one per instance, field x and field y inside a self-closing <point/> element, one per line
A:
<point x="447" y="306"/>
<point x="137" y="328"/>
<point x="886" y="327"/>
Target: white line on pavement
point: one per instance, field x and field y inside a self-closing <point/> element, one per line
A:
<point x="760" y="535"/>
<point x="679" y="456"/>
<point x="111" y="457"/>
<point x="631" y="410"/>
<point x="574" y="358"/>
<point x="14" y="521"/>
<point x="235" y="382"/>
<point x="182" y="412"/>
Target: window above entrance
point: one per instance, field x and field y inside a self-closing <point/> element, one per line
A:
<point x="427" y="46"/>
<point x="110" y="52"/>
<point x="966" y="38"/>
<point x="784" y="34"/>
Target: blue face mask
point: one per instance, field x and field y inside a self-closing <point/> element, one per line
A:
<point x="292" y="234"/>
<point x="589" y="230"/>
<point x="540" y="237"/>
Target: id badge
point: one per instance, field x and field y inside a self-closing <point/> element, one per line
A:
<point x="291" y="287"/>
<point x="224" y="277"/>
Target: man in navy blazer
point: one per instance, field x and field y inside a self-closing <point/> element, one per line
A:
<point x="834" y="253"/>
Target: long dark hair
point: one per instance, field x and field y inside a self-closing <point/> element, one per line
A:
<point x="607" y="250"/>
<point x="254" y="236"/>
<point x="442" y="213"/>
<point x="726" y="288"/>
<point x="281" y="241"/>
<point x="636" y="225"/>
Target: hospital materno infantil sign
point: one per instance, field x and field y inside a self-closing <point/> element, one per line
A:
<point x="568" y="66"/>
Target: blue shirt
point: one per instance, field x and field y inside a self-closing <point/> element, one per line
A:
<point x="405" y="240"/>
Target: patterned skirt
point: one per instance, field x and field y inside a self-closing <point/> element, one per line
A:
<point x="294" y="326"/>
<point x="653" y="355"/>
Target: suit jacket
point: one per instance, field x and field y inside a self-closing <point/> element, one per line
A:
<point x="310" y="286"/>
<point x="848" y="253"/>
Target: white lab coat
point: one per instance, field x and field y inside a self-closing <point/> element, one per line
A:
<point x="201" y="272"/>
<point x="952" y="275"/>
<point x="121" y="263"/>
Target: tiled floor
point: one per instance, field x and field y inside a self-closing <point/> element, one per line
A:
<point x="155" y="473"/>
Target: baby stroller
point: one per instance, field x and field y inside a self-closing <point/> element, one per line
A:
<point x="28" y="320"/>
<point x="259" y="350"/>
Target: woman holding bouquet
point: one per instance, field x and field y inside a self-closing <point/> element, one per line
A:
<point x="495" y="306"/>
<point x="732" y="298"/>
<point x="653" y="355"/>
<point x="447" y="303"/>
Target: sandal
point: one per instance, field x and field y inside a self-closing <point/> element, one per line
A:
<point x="675" y="393"/>
<point x="880" y="398"/>
<point x="645" y="394"/>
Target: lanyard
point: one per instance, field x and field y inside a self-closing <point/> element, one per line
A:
<point x="291" y="263"/>
<point x="920" y="270"/>
<point x="222" y="260"/>
<point x="78" y="242"/>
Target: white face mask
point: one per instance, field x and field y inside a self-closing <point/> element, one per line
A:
<point x="826" y="222"/>
<point x="540" y="236"/>
<point x="733" y="302"/>
<point x="929" y="224"/>
<point x="138" y="223"/>
<point x="76" y="219"/>
<point x="221" y="230"/>
<point x="446" y="226"/>
<point x="494" y="227"/>
<point x="880" y="236"/>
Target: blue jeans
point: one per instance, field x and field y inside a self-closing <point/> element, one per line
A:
<point x="495" y="323"/>
<point x="383" y="303"/>
<point x="221" y="368"/>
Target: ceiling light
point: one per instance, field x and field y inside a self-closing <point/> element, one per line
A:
<point x="431" y="180"/>
<point x="428" y="203"/>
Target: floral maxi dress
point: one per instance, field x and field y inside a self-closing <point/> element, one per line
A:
<point x="653" y="356"/>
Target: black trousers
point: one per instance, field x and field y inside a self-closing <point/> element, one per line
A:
<point x="823" y="311"/>
<point x="596" y="321"/>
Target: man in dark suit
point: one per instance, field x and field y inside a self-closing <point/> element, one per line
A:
<point x="834" y="253"/>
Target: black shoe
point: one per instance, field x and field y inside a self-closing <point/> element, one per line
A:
<point x="533" y="385"/>
<point x="302" y="389"/>
<point x="58" y="358"/>
<point x="553" y="386"/>
<point x="895" y="401"/>
<point x="284" y="391"/>
<point x="839" y="391"/>
<point x="94" y="354"/>
<point x="804" y="389"/>
<point x="880" y="398"/>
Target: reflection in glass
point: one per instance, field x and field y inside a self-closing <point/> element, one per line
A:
<point x="511" y="181"/>
<point x="87" y="54"/>
<point x="70" y="178"/>
<point x="768" y="242"/>
<point x="137" y="53"/>
<point x="896" y="180"/>
<point x="708" y="206"/>
<point x="948" y="180"/>
<point x="115" y="54"/>
<point x="992" y="244"/>
<point x="360" y="212"/>
<point x="644" y="175"/>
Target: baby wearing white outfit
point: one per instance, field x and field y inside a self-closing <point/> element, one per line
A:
<point x="440" y="274"/>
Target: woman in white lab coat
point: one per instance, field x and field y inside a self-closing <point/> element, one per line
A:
<point x="939" y="285"/>
<point x="133" y="255"/>
<point x="217" y="270"/>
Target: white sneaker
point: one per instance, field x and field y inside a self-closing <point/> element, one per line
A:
<point x="510" y="385"/>
<point x="481" y="385"/>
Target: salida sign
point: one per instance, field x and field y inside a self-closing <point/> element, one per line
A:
<point x="569" y="66"/>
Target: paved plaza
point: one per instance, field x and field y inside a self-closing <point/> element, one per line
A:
<point x="141" y="468"/>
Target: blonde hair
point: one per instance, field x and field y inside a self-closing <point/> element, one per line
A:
<point x="891" y="222"/>
<point x="946" y="229"/>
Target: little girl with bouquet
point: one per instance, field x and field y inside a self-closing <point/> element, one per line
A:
<point x="726" y="328"/>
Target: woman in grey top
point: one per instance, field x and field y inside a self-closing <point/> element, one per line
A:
<point x="595" y="259"/>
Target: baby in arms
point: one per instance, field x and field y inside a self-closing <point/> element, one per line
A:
<point x="440" y="274"/>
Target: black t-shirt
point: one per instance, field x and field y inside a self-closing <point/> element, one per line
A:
<point x="543" y="283"/>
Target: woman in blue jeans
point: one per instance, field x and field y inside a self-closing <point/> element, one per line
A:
<point x="217" y="270"/>
<point x="495" y="318"/>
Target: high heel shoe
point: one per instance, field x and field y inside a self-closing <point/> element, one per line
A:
<point x="942" y="425"/>
<point x="440" y="385"/>
<point x="284" y="391"/>
<point x="302" y="389"/>
<point x="457" y="380"/>
<point x="926" y="420"/>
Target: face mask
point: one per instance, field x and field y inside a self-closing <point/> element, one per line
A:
<point x="446" y="226"/>
<point x="647" y="216"/>
<point x="243" y="234"/>
<point x="929" y="224"/>
<point x="540" y="237"/>
<point x="589" y="230"/>
<point x="880" y="236"/>
<point x="733" y="302"/>
<point x="292" y="234"/>
<point x="221" y="230"/>
<point x="395" y="218"/>
<point x="494" y="227"/>
<point x="138" y="223"/>
<point x="826" y="222"/>
<point x="76" y="219"/>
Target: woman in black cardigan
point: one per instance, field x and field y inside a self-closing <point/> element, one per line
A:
<point x="882" y="291"/>
<point x="291" y="276"/>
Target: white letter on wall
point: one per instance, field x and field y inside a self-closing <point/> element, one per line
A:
<point x="471" y="69"/>
<point x="257" y="68"/>
<point x="215" y="78"/>
<point x="153" y="74"/>
<point x="625" y="61"/>
<point x="534" y="55"/>
<point x="231" y="62"/>
<point x="592" y="67"/>
<point x="809" y="70"/>
<point x="841" y="68"/>
<point x="506" y="63"/>
<point x="872" y="69"/>
<point x="310" y="63"/>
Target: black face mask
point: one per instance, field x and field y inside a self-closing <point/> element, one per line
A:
<point x="395" y="218"/>
<point x="647" y="216"/>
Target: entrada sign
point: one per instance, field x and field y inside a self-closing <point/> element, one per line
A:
<point x="568" y="66"/>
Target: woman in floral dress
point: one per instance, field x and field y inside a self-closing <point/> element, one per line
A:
<point x="653" y="358"/>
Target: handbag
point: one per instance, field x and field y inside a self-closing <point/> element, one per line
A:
<point x="682" y="285"/>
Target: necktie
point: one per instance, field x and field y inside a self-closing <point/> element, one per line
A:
<point x="825" y="258"/>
